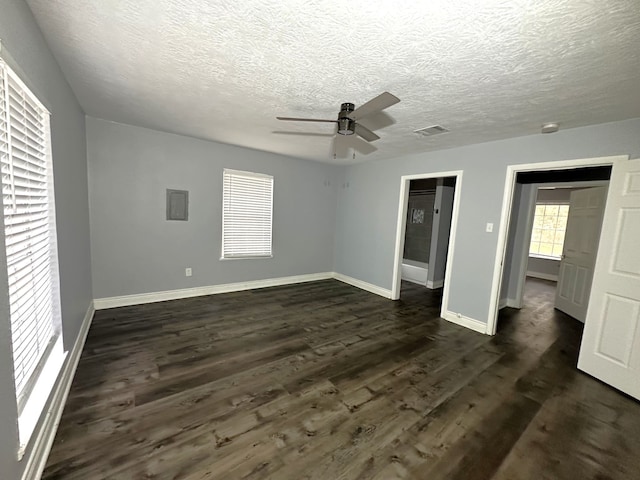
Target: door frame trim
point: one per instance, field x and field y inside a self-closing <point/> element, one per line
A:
<point x="507" y="202"/>
<point x="401" y="230"/>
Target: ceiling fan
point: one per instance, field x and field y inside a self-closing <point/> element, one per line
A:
<point x="349" y="115"/>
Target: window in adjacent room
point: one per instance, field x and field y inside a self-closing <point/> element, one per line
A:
<point x="549" y="225"/>
<point x="30" y="248"/>
<point x="247" y="212"/>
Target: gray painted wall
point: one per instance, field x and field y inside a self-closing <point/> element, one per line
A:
<point x="417" y="239"/>
<point x="555" y="195"/>
<point x="511" y="237"/>
<point x="136" y="250"/>
<point x="368" y="204"/>
<point x="23" y="40"/>
<point x="543" y="266"/>
<point x="519" y="236"/>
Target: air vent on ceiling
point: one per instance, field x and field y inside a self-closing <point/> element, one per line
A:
<point x="432" y="130"/>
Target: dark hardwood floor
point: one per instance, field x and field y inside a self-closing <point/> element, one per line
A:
<point x="325" y="381"/>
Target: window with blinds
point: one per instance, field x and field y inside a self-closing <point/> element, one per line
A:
<point x="29" y="228"/>
<point x="247" y="211"/>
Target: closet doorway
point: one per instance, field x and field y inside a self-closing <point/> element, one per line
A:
<point x="427" y="218"/>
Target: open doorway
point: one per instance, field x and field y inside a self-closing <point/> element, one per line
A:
<point x="427" y="217"/>
<point x="427" y="230"/>
<point x="521" y="188"/>
<point x="610" y="345"/>
<point x="554" y="229"/>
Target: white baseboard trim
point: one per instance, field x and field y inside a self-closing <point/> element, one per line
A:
<point x="543" y="276"/>
<point x="43" y="438"/>
<point x="414" y="274"/>
<point x="435" y="284"/>
<point x="126" y="300"/>
<point x="369" y="287"/>
<point x="463" y="321"/>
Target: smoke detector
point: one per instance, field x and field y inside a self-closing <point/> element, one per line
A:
<point x="430" y="131"/>
<point x="550" y="128"/>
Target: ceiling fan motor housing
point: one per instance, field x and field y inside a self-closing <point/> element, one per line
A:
<point x="346" y="126"/>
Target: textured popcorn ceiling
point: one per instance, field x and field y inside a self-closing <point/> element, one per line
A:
<point x="222" y="70"/>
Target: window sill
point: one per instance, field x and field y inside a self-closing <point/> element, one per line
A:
<point x="41" y="392"/>
<point x="544" y="257"/>
<point x="255" y="257"/>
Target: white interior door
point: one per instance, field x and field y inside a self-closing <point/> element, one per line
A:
<point x="610" y="349"/>
<point x="586" y="209"/>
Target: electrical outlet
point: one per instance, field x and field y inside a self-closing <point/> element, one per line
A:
<point x="187" y="272"/>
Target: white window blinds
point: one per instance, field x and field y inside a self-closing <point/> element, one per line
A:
<point x="29" y="228"/>
<point x="247" y="211"/>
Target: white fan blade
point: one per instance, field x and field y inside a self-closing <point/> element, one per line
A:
<point x="382" y="101"/>
<point x="292" y="119"/>
<point x="365" y="133"/>
<point x="305" y="134"/>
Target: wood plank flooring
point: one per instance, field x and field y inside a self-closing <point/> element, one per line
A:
<point x="325" y="381"/>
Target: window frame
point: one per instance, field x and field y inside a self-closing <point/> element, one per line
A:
<point x="21" y="109"/>
<point x="231" y="203"/>
<point x="554" y="243"/>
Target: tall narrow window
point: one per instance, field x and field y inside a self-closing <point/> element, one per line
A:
<point x="30" y="236"/>
<point x="549" y="225"/>
<point x="247" y="211"/>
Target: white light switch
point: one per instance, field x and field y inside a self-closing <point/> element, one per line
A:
<point x="187" y="272"/>
<point x="489" y="227"/>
